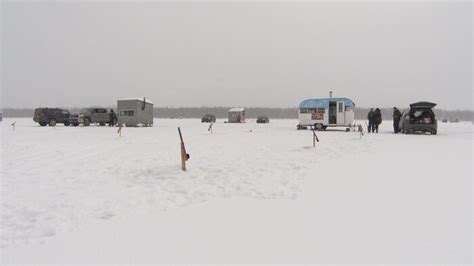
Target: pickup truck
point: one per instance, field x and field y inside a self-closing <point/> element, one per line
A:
<point x="100" y="116"/>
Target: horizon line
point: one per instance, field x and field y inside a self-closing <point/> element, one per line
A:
<point x="222" y="106"/>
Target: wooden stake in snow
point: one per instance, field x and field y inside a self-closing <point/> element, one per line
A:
<point x="13" y="125"/>
<point x="119" y="130"/>
<point x="315" y="138"/>
<point x="361" y="130"/>
<point x="184" y="155"/>
<point x="210" y="127"/>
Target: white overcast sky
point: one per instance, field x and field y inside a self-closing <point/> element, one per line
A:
<point x="266" y="54"/>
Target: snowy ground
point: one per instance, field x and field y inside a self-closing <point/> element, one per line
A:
<point x="252" y="194"/>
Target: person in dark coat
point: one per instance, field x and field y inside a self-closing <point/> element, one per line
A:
<point x="113" y="118"/>
<point x="370" y="117"/>
<point x="396" y="119"/>
<point x="377" y="120"/>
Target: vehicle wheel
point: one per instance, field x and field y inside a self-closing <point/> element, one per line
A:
<point x="101" y="124"/>
<point x="318" y="127"/>
<point x="87" y="122"/>
<point x="67" y="123"/>
<point x="434" y="132"/>
<point x="75" y="124"/>
<point x="52" y="123"/>
<point x="43" y="124"/>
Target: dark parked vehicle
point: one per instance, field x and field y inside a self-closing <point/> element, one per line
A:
<point x="262" y="120"/>
<point x="74" y="119"/>
<point x="94" y="115"/>
<point x="420" y="118"/>
<point x="209" y="118"/>
<point x="51" y="116"/>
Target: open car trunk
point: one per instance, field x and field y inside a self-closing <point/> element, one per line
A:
<point x="426" y="105"/>
<point x="422" y="116"/>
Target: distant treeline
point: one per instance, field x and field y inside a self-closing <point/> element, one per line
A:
<point x="253" y="112"/>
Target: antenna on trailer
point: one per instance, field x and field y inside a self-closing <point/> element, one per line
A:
<point x="330" y="94"/>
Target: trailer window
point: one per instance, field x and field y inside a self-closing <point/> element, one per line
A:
<point x="304" y="110"/>
<point x="317" y="113"/>
<point x="317" y="116"/>
<point x="127" y="113"/>
<point x="348" y="108"/>
<point x="341" y="105"/>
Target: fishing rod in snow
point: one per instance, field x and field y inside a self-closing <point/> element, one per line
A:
<point x="184" y="156"/>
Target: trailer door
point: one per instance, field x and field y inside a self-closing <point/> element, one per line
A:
<point x="333" y="113"/>
<point x="341" y="113"/>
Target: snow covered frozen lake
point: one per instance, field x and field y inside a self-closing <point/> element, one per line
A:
<point x="253" y="193"/>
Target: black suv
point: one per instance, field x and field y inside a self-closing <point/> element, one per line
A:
<point x="420" y="118"/>
<point x="209" y="118"/>
<point x="262" y="120"/>
<point x="51" y="116"/>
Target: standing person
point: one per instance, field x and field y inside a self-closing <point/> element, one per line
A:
<point x="396" y="119"/>
<point x="370" y="117"/>
<point x="377" y="120"/>
<point x="113" y="118"/>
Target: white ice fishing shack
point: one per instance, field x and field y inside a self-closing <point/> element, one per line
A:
<point x="326" y="112"/>
<point x="135" y="112"/>
<point x="236" y="115"/>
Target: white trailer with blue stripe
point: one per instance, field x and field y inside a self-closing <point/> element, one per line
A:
<point x="326" y="112"/>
